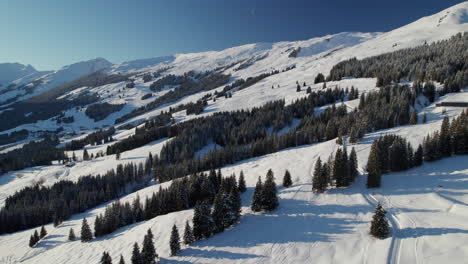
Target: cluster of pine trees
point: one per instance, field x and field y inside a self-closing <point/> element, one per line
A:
<point x="36" y="237"/>
<point x="95" y="138"/>
<point x="393" y="153"/>
<point x="35" y="153"/>
<point x="265" y="197"/>
<point x="147" y="254"/>
<point x="196" y="190"/>
<point x="38" y="205"/>
<point x="443" y="61"/>
<point x="339" y="171"/>
<point x="274" y="114"/>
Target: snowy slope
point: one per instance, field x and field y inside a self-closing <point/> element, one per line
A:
<point x="48" y="80"/>
<point x="427" y="206"/>
<point x="326" y="228"/>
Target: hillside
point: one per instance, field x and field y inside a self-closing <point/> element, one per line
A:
<point x="245" y="109"/>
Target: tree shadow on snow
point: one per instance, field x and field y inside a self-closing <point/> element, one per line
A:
<point x="294" y="221"/>
<point x="214" y="253"/>
<point x="420" y="231"/>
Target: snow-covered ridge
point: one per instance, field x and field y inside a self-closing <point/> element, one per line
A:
<point x="12" y="71"/>
<point x="43" y="81"/>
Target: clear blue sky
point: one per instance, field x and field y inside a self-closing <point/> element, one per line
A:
<point x="51" y="33"/>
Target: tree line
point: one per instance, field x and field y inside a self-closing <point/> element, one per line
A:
<point x="393" y="153"/>
<point x="444" y="61"/>
<point x="39" y="205"/>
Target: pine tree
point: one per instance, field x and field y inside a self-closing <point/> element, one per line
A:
<point x="36" y="236"/>
<point x="319" y="181"/>
<point x="136" y="255"/>
<point x="424" y="121"/>
<point x="122" y="261"/>
<point x="202" y="221"/>
<point x="43" y="232"/>
<point x="188" y="234"/>
<point x="32" y="241"/>
<point x="257" y="196"/>
<point x="414" y="118"/>
<point x="86" y="234"/>
<point x="117" y="155"/>
<point x="287" y="182"/>
<point x="174" y="242"/>
<point x="242" y="187"/>
<point x="148" y="251"/>
<point x="220" y="211"/>
<point x="379" y="225"/>
<point x="373" y="167"/>
<point x="269" y="195"/>
<point x="298" y="88"/>
<point x="339" y="172"/>
<point x="71" y="235"/>
<point x="444" y="138"/>
<point x="106" y="258"/>
<point x="234" y="205"/>
<point x="353" y="165"/>
<point x="85" y="155"/>
<point x="418" y="156"/>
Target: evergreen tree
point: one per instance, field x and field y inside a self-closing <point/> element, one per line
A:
<point x="220" y="212"/>
<point x="340" y="169"/>
<point x="234" y="205"/>
<point x="122" y="261"/>
<point x="444" y="138"/>
<point x="32" y="241"/>
<point x="43" y="232"/>
<point x="242" y="187"/>
<point x="373" y="167"/>
<point x="319" y="78"/>
<point x="353" y="165"/>
<point x="414" y="118"/>
<point x="202" y="221"/>
<point x="136" y="255"/>
<point x="319" y="181"/>
<point x="188" y="234"/>
<point x="257" y="196"/>
<point x="174" y="242"/>
<point x="36" y="236"/>
<point x="86" y="234"/>
<point x="106" y="258"/>
<point x="287" y="182"/>
<point x="117" y="155"/>
<point x="298" y="88"/>
<point x="269" y="195"/>
<point x="424" y="121"/>
<point x="418" y="156"/>
<point x="85" y="155"/>
<point x="309" y="90"/>
<point x="379" y="225"/>
<point x="71" y="235"/>
<point x="148" y="251"/>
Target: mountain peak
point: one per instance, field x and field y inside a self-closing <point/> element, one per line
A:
<point x="12" y="71"/>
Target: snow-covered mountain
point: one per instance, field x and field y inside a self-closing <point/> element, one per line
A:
<point x="35" y="83"/>
<point x="427" y="205"/>
<point x="12" y="71"/>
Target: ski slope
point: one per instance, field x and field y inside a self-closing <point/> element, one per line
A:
<point x="327" y="228"/>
